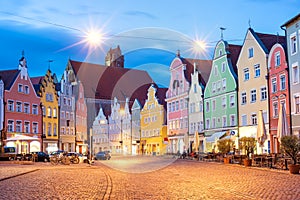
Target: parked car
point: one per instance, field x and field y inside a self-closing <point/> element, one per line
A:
<point x="103" y="155"/>
<point x="58" y="152"/>
<point x="40" y="156"/>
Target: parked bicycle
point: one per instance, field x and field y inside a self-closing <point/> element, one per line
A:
<point x="61" y="157"/>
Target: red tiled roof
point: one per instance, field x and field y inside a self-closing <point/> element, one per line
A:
<point x="203" y="66"/>
<point x="8" y="77"/>
<point x="234" y="51"/>
<point x="101" y="82"/>
<point x="37" y="80"/>
<point x="267" y="40"/>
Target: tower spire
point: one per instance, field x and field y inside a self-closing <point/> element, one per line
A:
<point x="222" y="30"/>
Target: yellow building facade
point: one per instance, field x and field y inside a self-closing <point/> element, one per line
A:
<point x="49" y="103"/>
<point x="153" y="123"/>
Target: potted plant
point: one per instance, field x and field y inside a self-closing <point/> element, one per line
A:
<point x="224" y="147"/>
<point x="248" y="144"/>
<point x="291" y="147"/>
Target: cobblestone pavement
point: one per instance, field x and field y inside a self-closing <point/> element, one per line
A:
<point x="182" y="179"/>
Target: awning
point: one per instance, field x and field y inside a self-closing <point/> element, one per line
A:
<point x="214" y="137"/>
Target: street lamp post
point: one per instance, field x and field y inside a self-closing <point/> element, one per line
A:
<point x="91" y="143"/>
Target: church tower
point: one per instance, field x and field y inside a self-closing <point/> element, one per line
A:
<point x="114" y="58"/>
<point x="23" y="67"/>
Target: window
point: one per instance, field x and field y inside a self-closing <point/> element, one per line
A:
<point x="20" y="88"/>
<point x="232" y="101"/>
<point x="10" y="126"/>
<point x="275" y="109"/>
<point x="246" y="74"/>
<point x="207" y="124"/>
<point x="34" y="109"/>
<point x="224" y="102"/>
<point x="200" y="106"/>
<point x="244" y="98"/>
<point x="232" y="120"/>
<point x="26" y="108"/>
<point x="223" y="66"/>
<point x="54" y="113"/>
<point x="214" y="105"/>
<point x="295" y="73"/>
<point x="10" y="105"/>
<point x="49" y="97"/>
<point x="49" y="129"/>
<point x="282" y="82"/>
<point x="216" y="70"/>
<point x="220" y="52"/>
<point x="277" y="59"/>
<point x="195" y="88"/>
<point x="35" y="127"/>
<point x="181" y="104"/>
<point x="253" y="96"/>
<point x="169" y="107"/>
<point x="224" y="121"/>
<point x="177" y="105"/>
<point x="244" y="120"/>
<point x="72" y="116"/>
<point x="26" y="89"/>
<point x="213" y="125"/>
<point x="65" y="101"/>
<point x="224" y="83"/>
<point x="49" y="112"/>
<point x="213" y="87"/>
<point x="19" y="126"/>
<point x="253" y="119"/>
<point x="173" y="106"/>
<point x="19" y="107"/>
<point x="219" y="86"/>
<point x="257" y="70"/>
<point x="207" y="107"/>
<point x="69" y="102"/>
<point x="27" y="127"/>
<point x="274" y="85"/>
<point x="297" y="104"/>
<point x="263" y="93"/>
<point x="44" y="111"/>
<point x="293" y="43"/>
<point x="250" y="52"/>
<point x="62" y="130"/>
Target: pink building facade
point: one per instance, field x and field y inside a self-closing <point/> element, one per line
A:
<point x="177" y="106"/>
<point x="278" y="91"/>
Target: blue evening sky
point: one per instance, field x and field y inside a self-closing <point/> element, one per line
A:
<point x="148" y="32"/>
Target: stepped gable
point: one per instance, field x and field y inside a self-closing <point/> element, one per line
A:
<point x="101" y="82"/>
<point x="234" y="51"/>
<point x="8" y="77"/>
<point x="267" y="40"/>
<point x="203" y="66"/>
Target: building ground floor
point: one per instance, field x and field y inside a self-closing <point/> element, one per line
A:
<point x="67" y="143"/>
<point x="50" y="145"/>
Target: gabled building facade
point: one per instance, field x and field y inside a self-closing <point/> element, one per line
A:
<point x="81" y="119"/>
<point x="153" y="122"/>
<point x="253" y="83"/>
<point x="278" y="91"/>
<point x="45" y="87"/>
<point x="22" y="113"/>
<point x="196" y="97"/>
<point x="292" y="28"/>
<point x="136" y="127"/>
<point x="220" y="95"/>
<point x="100" y="133"/>
<point x="177" y="102"/>
<point x="67" y="112"/>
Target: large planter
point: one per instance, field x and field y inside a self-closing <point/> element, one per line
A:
<point x="226" y="160"/>
<point x="248" y="162"/>
<point x="294" y="169"/>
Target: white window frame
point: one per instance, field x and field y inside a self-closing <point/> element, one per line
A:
<point x="254" y="119"/>
<point x="232" y="101"/>
<point x="244" y="120"/>
<point x="232" y="120"/>
<point x="253" y="96"/>
<point x="35" y="127"/>
<point x="27" y="126"/>
<point x="263" y="94"/>
<point x="274" y="84"/>
<point x="275" y="109"/>
<point x="257" y="71"/>
<point x="277" y="59"/>
<point x="250" y="52"/>
<point x="20" y="88"/>
<point x="282" y="83"/>
<point x="293" y="43"/>
<point x="246" y="74"/>
<point x="223" y="67"/>
<point x="243" y="98"/>
<point x="295" y="66"/>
